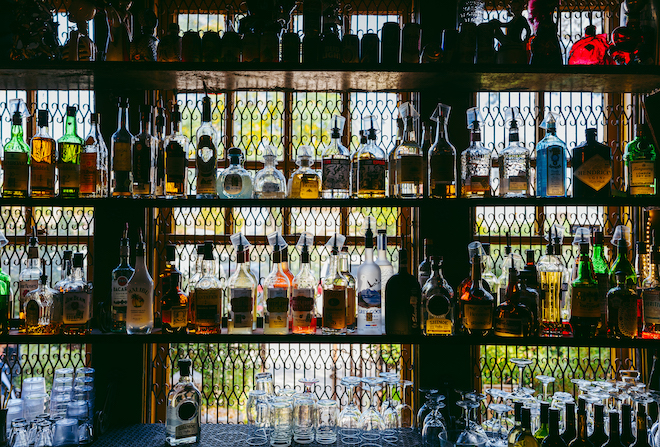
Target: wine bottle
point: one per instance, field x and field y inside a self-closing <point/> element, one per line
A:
<point x="402" y="299"/>
<point x="582" y="440"/>
<point x="543" y="431"/>
<point x="553" y="439"/>
<point x="627" y="437"/>
<point x="599" y="437"/>
<point x="525" y="438"/>
<point x="569" y="432"/>
<point x="642" y="439"/>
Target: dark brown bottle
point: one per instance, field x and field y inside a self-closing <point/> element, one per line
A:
<point x="250" y="48"/>
<point x="592" y="168"/>
<point x="191" y="47"/>
<point x="391" y="43"/>
<point x="627" y="437"/>
<point x="642" y="439"/>
<point x="350" y="49"/>
<point x="311" y="49"/>
<point x="581" y="440"/>
<point x="553" y="439"/>
<point x="598" y="437"/>
<point x="411" y="43"/>
<point x="290" y="48"/>
<point x="512" y="318"/>
<point x="211" y="47"/>
<point x="569" y="432"/>
<point x="269" y="48"/>
<point x="369" y="46"/>
<point x="231" y="47"/>
<point x="615" y="439"/>
<point x="402" y="300"/>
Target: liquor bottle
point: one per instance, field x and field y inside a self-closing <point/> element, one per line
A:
<point x="207" y="305"/>
<point x="622" y="309"/>
<point x="144" y="153"/>
<point x="476" y="305"/>
<point x="391" y="43"/>
<point x="334" y="285"/>
<point x="622" y="263"/>
<point x="639" y="159"/>
<point x="602" y="271"/>
<point x="424" y="269"/>
<point x="592" y="168"/>
<point x="510" y="259"/>
<point x="569" y="432"/>
<point x="543" y="432"/>
<point x="94" y="162"/>
<point x="140" y="295"/>
<point x="627" y="437"/>
<point x="16" y="159"/>
<point x="351" y="298"/>
<point x="442" y="157"/>
<point x="642" y="438"/>
<point x="487" y="267"/>
<point x="174" y="304"/>
<point x="585" y="301"/>
<point x="371" y="164"/>
<point x="513" y="318"/>
<point x="475" y="161"/>
<point x="5" y="301"/>
<point x="354" y="164"/>
<point x="514" y="164"/>
<point x="206" y="159"/>
<point x="411" y="40"/>
<point x="269" y="183"/>
<point x="77" y="301"/>
<point x="550" y="161"/>
<point x="336" y="161"/>
<point x="598" y="437"/>
<point x="614" y="438"/>
<point x="159" y="168"/>
<point x="581" y="439"/>
<point x="517" y="424"/>
<point x="38" y="307"/>
<point x="196" y="275"/>
<point x="525" y="438"/>
<point x="242" y="289"/>
<point x="304" y="286"/>
<point x="403" y="298"/>
<point x="58" y="295"/>
<point x="304" y="183"/>
<point x="386" y="269"/>
<point x="44" y="158"/>
<point x="651" y="296"/>
<point x="28" y="279"/>
<point x="121" y="146"/>
<point x="120" y="276"/>
<point x="277" y="291"/>
<point x="184" y="409"/>
<point x="369" y="288"/>
<point x="392" y="185"/>
<point x="176" y="158"/>
<point x="409" y="157"/>
<point x="69" y="148"/>
<point x="437" y="304"/>
<point x="235" y="182"/>
<point x="550" y="275"/>
<point x="553" y="439"/>
<point x="530" y="298"/>
<point x="641" y="263"/>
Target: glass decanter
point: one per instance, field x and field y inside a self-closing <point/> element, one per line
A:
<point x="270" y="183"/>
<point x="235" y="182"/>
<point x="304" y="183"/>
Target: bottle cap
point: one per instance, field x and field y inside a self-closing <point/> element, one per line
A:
<point x="338" y="123"/>
<point x="598" y="238"/>
<point x="475" y="248"/>
<point x="441" y="113"/>
<point x="140" y="246"/>
<point x="621" y="232"/>
<point x="305" y="241"/>
<point x="486" y="248"/>
<point x="77" y="260"/>
<point x="363" y="138"/>
<point x="591" y="133"/>
<point x="368" y="232"/>
<point x="42" y="118"/>
<point x="336" y="242"/>
<point x="200" y="249"/>
<point x="269" y="151"/>
<point x="473" y="118"/>
<point x="175" y="115"/>
<point x="370" y="124"/>
<point x="239" y="241"/>
<point x="20" y="110"/>
<point x="208" y="251"/>
<point x="234" y="153"/>
<point x="67" y="255"/>
<point x="185" y="365"/>
<point x="513" y="117"/>
<point x="71" y="111"/>
<point x="279" y="245"/>
<point x="582" y="236"/>
<point x="94" y="118"/>
<point x="549" y="122"/>
<point x="122" y="102"/>
<point x="584" y="248"/>
<point x="407" y="110"/>
<point x="529" y="256"/>
<point x="170" y="252"/>
<point x="305" y="152"/>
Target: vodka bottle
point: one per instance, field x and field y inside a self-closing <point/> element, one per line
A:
<point x="369" y="288"/>
<point x="140" y="294"/>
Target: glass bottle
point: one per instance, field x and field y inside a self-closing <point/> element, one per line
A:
<point x="424" y="269"/>
<point x="94" y="162"/>
<point x="369" y="288"/>
<point x="403" y="297"/>
<point x="242" y="290"/>
<point x="542" y="432"/>
<point x="351" y="298"/>
<point x="641" y="263"/>
<point x="409" y="157"/>
<point x="517" y="424"/>
<point x="121" y="147"/>
<point x="120" y="276"/>
<point x="304" y="183"/>
<point x="602" y="271"/>
<point x="598" y="436"/>
<point x="526" y="438"/>
<point x="642" y="438"/>
<point x="304" y="285"/>
<point x="513" y="318"/>
<point x="437" y="303"/>
<point x="336" y="162"/>
<point x="392" y="186"/>
<point x="476" y="304"/>
<point x="550" y="275"/>
<point x="159" y="143"/>
<point x="335" y="286"/>
<point x="144" y="153"/>
<point x="270" y="183"/>
<point x="206" y="159"/>
<point x="44" y="158"/>
<point x="639" y="159"/>
<point x="531" y="299"/>
<point x="386" y="268"/>
<point x="553" y="439"/>
<point x="354" y="164"/>
<point x="569" y="432"/>
<point x="194" y="278"/>
<point x="627" y="437"/>
<point x="622" y="263"/>
<point x="514" y="164"/>
<point x="487" y="268"/>
<point x="207" y="306"/>
<point x="651" y="297"/>
<point x="475" y="161"/>
<point x="277" y="289"/>
<point x="15" y="162"/>
<point x="140" y="295"/>
<point x="235" y="182"/>
<point x="38" y="307"/>
<point x="592" y="168"/>
<point x="622" y="309"/>
<point x="550" y="161"/>
<point x="614" y="438"/>
<point x="442" y="157"/>
<point x="581" y="439"/>
<point x="174" y="307"/>
<point x="585" y="301"/>
<point x="28" y="279"/>
<point x="69" y="148"/>
<point x="77" y="301"/>
<point x="371" y="164"/>
<point x="58" y="296"/>
<point x="176" y="158"/>
<point x="184" y="409"/>
<point x="509" y="260"/>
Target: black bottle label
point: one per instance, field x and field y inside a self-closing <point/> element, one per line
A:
<point x="335" y="173"/>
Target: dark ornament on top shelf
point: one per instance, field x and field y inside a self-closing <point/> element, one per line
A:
<point x="544" y="44"/>
<point x="169" y="48"/>
<point x="33" y="30"/>
<point x="118" y="47"/>
<point x="79" y="46"/>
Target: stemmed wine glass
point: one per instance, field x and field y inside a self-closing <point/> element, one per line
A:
<point x="545" y="381"/>
<point x="371" y="421"/>
<point x="308" y="386"/>
<point x="425" y="409"/>
<point x="349" y="418"/>
<point x="499" y="438"/>
<point x="434" y="428"/>
<point x="388" y="409"/>
<point x="521" y="392"/>
<point x="469" y="435"/>
<point x="403" y="410"/>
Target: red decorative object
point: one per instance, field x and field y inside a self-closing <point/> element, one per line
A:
<point x="591" y="49"/>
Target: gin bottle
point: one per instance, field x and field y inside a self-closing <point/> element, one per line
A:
<point x="304" y="183"/>
<point x="371" y="163"/>
<point x="303" y="287"/>
<point x="206" y="154"/>
<point x="28" y="279"/>
<point x="409" y="157"/>
<point x="336" y="163"/>
<point x="651" y="296"/>
<point x="174" y="304"/>
<point x="140" y="294"/>
<point x="351" y="299"/>
<point x="184" y="405"/>
<point x="242" y="289"/>
<point x="235" y="182"/>
<point x="207" y="305"/>
<point x="592" y="168"/>
<point x="475" y="161"/>
<point x="15" y="162"/>
<point x="437" y="316"/>
<point x="550" y="161"/>
<point x="159" y="175"/>
<point x="144" y="153"/>
<point x="277" y="287"/>
<point x="369" y="288"/>
<point x="38" y="308"/>
<point x="77" y="302"/>
<point x="69" y="148"/>
<point x="270" y="183"/>
<point x="514" y="162"/>
<point x="334" y="286"/>
<point x="121" y="147"/>
<point x="639" y="161"/>
<point x="120" y="276"/>
<point x="442" y="157"/>
<point x="622" y="263"/>
<point x="44" y="158"/>
<point x="176" y="158"/>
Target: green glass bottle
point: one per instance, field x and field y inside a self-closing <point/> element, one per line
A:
<point x="16" y="161"/>
<point x="69" y="148"/>
<point x="602" y="271"/>
<point x="543" y="431"/>
<point x="553" y="439"/>
<point x="622" y="264"/>
<point x="639" y="159"/>
<point x="585" y="301"/>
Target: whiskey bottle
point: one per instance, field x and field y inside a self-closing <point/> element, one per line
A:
<point x="269" y="183"/>
<point x="303" y="312"/>
<point x="69" y="148"/>
<point x="354" y="164"/>
<point x="511" y="259"/>
<point x="77" y="301"/>
<point x="351" y="298"/>
<point x="424" y="269"/>
<point x="409" y="157"/>
<point x="174" y="304"/>
<point x="651" y="296"/>
<point x="120" y="276"/>
<point x="304" y="183"/>
<point x="622" y="309"/>
<point x="94" y="162"/>
<point x="371" y="164"/>
<point x="144" y="153"/>
<point x="592" y="168"/>
<point x="475" y="161"/>
<point x="622" y="263"/>
<point x="277" y="291"/>
<point x="550" y="284"/>
<point x="38" y="307"/>
<point x="176" y="158"/>
<point x="242" y="289"/>
<point x="602" y="271"/>
<point x="585" y="301"/>
<point x="15" y="162"/>
<point x="550" y="161"/>
<point x="386" y="269"/>
<point x="442" y="157"/>
<point x="476" y="305"/>
<point x="235" y="182"/>
<point x="206" y="154"/>
<point x="207" y="304"/>
<point x="335" y="285"/>
<point x="402" y="300"/>
<point x="184" y="408"/>
<point x="159" y="176"/>
<point x="140" y="294"/>
<point x="513" y="318"/>
<point x="514" y="164"/>
<point x="121" y="146"/>
<point x="639" y="159"/>
<point x="28" y="279"/>
<point x="44" y="159"/>
<point x="58" y="295"/>
<point x="336" y="163"/>
<point x="437" y="306"/>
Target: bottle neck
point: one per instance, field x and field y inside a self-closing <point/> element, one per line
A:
<point x="440" y="131"/>
<point x="343" y="262"/>
<point x="71" y="127"/>
<point x="582" y="425"/>
<point x="476" y="274"/>
<point x="369" y="255"/>
<point x="123" y="119"/>
<point x="175" y="126"/>
<point x="553" y="426"/>
<point x="614" y="427"/>
<point x="124" y="253"/>
<point x="42" y="132"/>
<point x="598" y="251"/>
<point x="17" y="132"/>
<point x="139" y="262"/>
<point x="475" y="137"/>
<point x="144" y="124"/>
<point x="208" y="267"/>
<point x="333" y="266"/>
<point x="409" y="134"/>
<point x="585" y="269"/>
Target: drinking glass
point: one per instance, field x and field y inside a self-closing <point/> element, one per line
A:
<point x="264" y="381"/>
<point x="521" y="391"/>
<point x="403" y="410"/>
<point x="371" y="421"/>
<point x="281" y="421"/>
<point x="14" y="411"/>
<point x="425" y="409"/>
<point x="19" y="433"/>
<point x="66" y="432"/>
<point x="85" y="372"/>
<point x="349" y="418"/>
<point x="545" y="381"/>
<point x="257" y="416"/>
<point x="327" y="414"/>
<point x="44" y="437"/>
<point x="64" y="372"/>
<point x="304" y="415"/>
<point x="388" y="410"/>
<point x="469" y="435"/>
<point x="434" y="429"/>
<point x="499" y="438"/>
<point x="33" y="385"/>
<point x="290" y="392"/>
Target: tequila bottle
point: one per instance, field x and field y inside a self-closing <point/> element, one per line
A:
<point x="437" y="306"/>
<point x="120" y="276"/>
<point x="513" y="318"/>
<point x="336" y="162"/>
<point x="409" y="157"/>
<point x="585" y="301"/>
<point x="514" y="162"/>
<point x="550" y="161"/>
<point x="16" y="159"/>
<point x="304" y="183"/>
<point x="174" y="304"/>
<point x="144" y="153"/>
<point x="159" y="175"/>
<point x="277" y="291"/>
<point x="184" y="407"/>
<point x="28" y="279"/>
<point x="371" y="164"/>
<point x="38" y="307"/>
<point x="176" y="158"/>
<point x="386" y="269"/>
<point x="351" y="298"/>
<point x="354" y="164"/>
<point x="442" y="157"/>
<point x="242" y="289"/>
<point x="622" y="309"/>
<point x="476" y="304"/>
<point x="121" y="147"/>
<point x="94" y="162"/>
<point x="270" y="183"/>
<point x="303" y="295"/>
<point x="639" y="160"/>
<point x="335" y="287"/>
<point x="206" y="154"/>
<point x="369" y="288"/>
<point x="77" y="301"/>
<point x="235" y="182"/>
<point x="207" y="305"/>
<point x="651" y="296"/>
<point x="592" y="168"/>
<point x="140" y="294"/>
<point x="69" y="148"/>
<point x="475" y="161"/>
<point x="44" y="159"/>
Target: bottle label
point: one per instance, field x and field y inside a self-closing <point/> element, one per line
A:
<point x="509" y="327"/>
<point x="142" y="159"/>
<point x="334" y="309"/>
<point x="15" y="165"/>
<point x="354" y="179"/>
<point x="369" y="298"/>
<point x="233" y="184"/>
<point x="410" y="168"/>
<point x="175" y="317"/>
<point x="479" y="183"/>
<point x="175" y="163"/>
<point x="140" y="306"/>
<point x="277" y="305"/>
<point x="270" y="187"/>
<point x="122" y="160"/>
<point x="335" y="173"/>
<point x="309" y="186"/>
<point x="628" y="317"/>
<point x="585" y="302"/>
<point x="42" y="176"/>
<point x="556" y="173"/>
<point x="651" y="306"/>
<point x="88" y="172"/>
<point x="206" y="166"/>
<point x="371" y="175"/>
<point x="442" y="169"/>
<point x="119" y="298"/>
<point x="439" y="326"/>
<point x="76" y="308"/>
<point x="241" y="307"/>
<point x="595" y="172"/>
<point x="32" y="314"/>
<point x="69" y="175"/>
<point x="642" y="177"/>
<point x="518" y="183"/>
<point x="478" y="316"/>
<point x="187" y="411"/>
<point x="302" y="305"/>
<point x="207" y="306"/>
<point x="26" y="286"/>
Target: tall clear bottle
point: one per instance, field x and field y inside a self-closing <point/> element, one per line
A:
<point x="120" y="276"/>
<point x="44" y="159"/>
<point x="77" y="302"/>
<point x="369" y="287"/>
<point x="277" y="291"/>
<point x="371" y="163"/>
<point x="651" y="296"/>
<point x="242" y="289"/>
<point x="38" y="308"/>
<point x="354" y="164"/>
<point x="303" y="296"/>
<point x="184" y="409"/>
<point x="176" y="158"/>
<point x="121" y="147"/>
<point x="28" y="279"/>
<point x="336" y="164"/>
<point x="206" y="154"/>
<point x="69" y="149"/>
<point x="94" y="162"/>
<point x="551" y="161"/>
<point x="386" y="268"/>
<point x="442" y="157"/>
<point x="207" y="304"/>
<point x="269" y="183"/>
<point x="351" y="298"/>
<point x="409" y="157"/>
<point x="335" y="287"/>
<point x="514" y="163"/>
<point x="140" y="293"/>
<point x="475" y="161"/>
<point x="159" y="165"/>
<point x="16" y="158"/>
<point x="144" y="154"/>
<point x="174" y="304"/>
<point x="58" y="297"/>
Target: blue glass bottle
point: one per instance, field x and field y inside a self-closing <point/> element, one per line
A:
<point x="235" y="182"/>
<point x="550" y="161"/>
